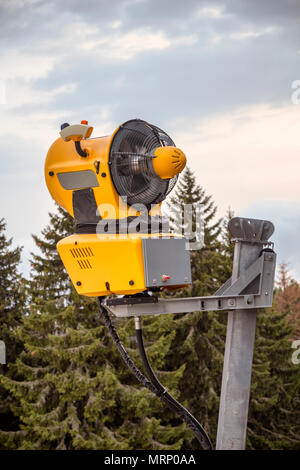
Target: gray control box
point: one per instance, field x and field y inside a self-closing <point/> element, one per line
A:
<point x="166" y="262"/>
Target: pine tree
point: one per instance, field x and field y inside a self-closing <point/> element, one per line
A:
<point x="73" y="390"/>
<point x="274" y="406"/>
<point x="274" y="411"/>
<point x="227" y="246"/>
<point x="287" y="299"/>
<point x="207" y="263"/>
<point x="11" y="309"/>
<point x="273" y="421"/>
<point x="198" y="341"/>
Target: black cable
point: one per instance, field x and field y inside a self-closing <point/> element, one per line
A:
<point x="191" y="421"/>
<point x="154" y="387"/>
<point x="128" y="361"/>
<point x="79" y="149"/>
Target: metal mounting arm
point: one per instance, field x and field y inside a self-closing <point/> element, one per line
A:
<point x="253" y="288"/>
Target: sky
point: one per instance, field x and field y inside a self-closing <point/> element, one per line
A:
<point x="222" y="78"/>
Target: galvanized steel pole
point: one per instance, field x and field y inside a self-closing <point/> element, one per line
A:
<point x="236" y="380"/>
<point x="2" y="353"/>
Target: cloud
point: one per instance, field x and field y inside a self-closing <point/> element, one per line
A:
<point x="126" y="46"/>
<point x="210" y="12"/>
<point x="19" y="94"/>
<point x="216" y="75"/>
<point x="251" y="153"/>
<point x="253" y="34"/>
<point x="285" y="215"/>
<point x="25" y="65"/>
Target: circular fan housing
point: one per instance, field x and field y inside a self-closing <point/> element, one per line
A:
<point x="131" y="167"/>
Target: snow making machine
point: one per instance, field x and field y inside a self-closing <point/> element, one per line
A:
<point x="122" y="251"/>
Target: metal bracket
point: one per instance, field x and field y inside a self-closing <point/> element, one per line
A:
<point x="250" y="230"/>
<point x="253" y="289"/>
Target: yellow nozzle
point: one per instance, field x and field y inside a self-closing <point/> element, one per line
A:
<point x="168" y="162"/>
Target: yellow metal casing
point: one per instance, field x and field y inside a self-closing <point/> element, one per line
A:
<point x="62" y="157"/>
<point x="99" y="264"/>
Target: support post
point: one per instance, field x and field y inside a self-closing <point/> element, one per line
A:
<point x="2" y="353"/>
<point x="236" y="379"/>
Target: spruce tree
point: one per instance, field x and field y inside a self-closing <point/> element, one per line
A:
<point x="206" y="263"/>
<point x="11" y="309"/>
<point x="199" y="336"/>
<point x="227" y="247"/>
<point x="273" y="420"/>
<point x="274" y="411"/>
<point x="200" y="339"/>
<point x="73" y="389"/>
<point x="287" y="299"/>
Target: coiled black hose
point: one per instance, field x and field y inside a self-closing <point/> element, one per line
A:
<point x="154" y="385"/>
<point x="128" y="361"/>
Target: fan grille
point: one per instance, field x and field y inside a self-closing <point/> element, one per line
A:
<point x="131" y="163"/>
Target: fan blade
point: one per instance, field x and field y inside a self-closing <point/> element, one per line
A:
<point x="131" y="155"/>
<point x="138" y="183"/>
